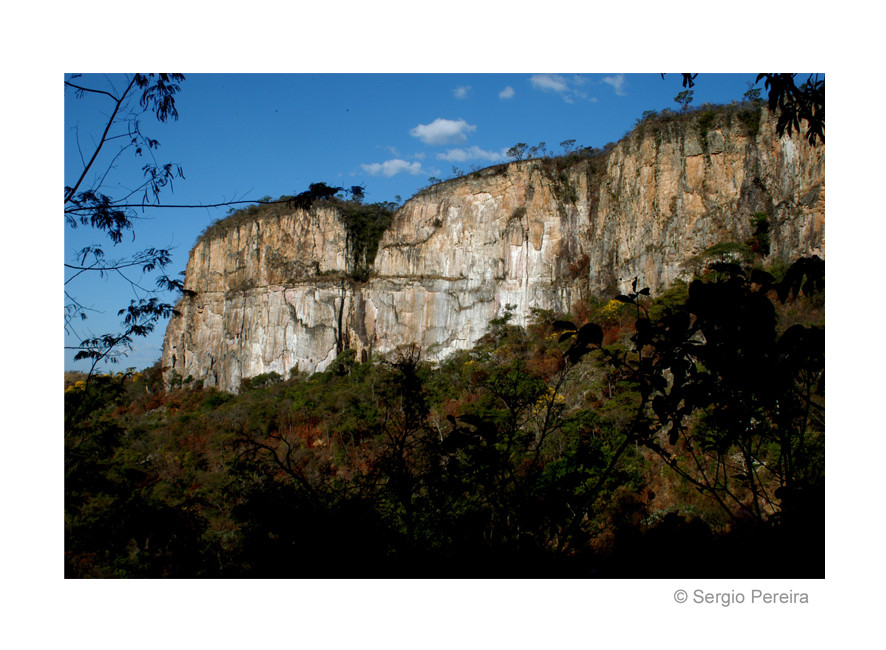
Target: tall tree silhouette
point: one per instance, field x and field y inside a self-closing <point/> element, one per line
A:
<point x="731" y="404"/>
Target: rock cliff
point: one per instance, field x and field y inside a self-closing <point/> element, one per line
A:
<point x="270" y="293"/>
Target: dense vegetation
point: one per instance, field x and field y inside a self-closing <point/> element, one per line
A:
<point x="657" y="125"/>
<point x="679" y="436"/>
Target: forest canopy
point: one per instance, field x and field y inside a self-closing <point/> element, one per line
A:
<point x="677" y="435"/>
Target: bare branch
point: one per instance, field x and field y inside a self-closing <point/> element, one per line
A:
<point x="73" y="190"/>
<point x="91" y="90"/>
<point x="76" y="210"/>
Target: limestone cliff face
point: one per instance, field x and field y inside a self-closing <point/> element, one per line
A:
<point x="269" y="294"/>
<point x="671" y="192"/>
<point x="261" y="296"/>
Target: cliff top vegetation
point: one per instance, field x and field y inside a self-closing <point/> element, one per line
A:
<point x="700" y="120"/>
<point x="364" y="222"/>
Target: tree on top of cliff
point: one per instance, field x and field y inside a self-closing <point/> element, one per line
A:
<point x="517" y="151"/>
<point x="794" y="104"/>
<point x="684" y="98"/>
<point x="315" y="192"/>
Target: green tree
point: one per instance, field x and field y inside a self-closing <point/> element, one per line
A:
<point x="517" y="151"/>
<point x="365" y="223"/>
<point x="684" y="98"/>
<point x="753" y="94"/>
<point x="539" y="150"/>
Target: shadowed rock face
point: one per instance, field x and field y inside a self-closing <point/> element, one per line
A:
<point x="270" y="294"/>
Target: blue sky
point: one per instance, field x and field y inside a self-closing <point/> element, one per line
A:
<point x="247" y="136"/>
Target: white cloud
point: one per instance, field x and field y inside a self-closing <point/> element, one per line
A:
<point x="442" y="131"/>
<point x="470" y="153"/>
<point x="392" y="167"/>
<point x="507" y="93"/>
<point x="566" y="87"/>
<point x="617" y="82"/>
<point x="550" y="82"/>
<point x="461" y="92"/>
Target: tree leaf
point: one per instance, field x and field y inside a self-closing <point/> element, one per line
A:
<point x="560" y="325"/>
<point x="589" y="334"/>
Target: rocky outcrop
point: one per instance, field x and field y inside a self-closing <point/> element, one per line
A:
<point x="673" y="190"/>
<point x="271" y="293"/>
<point x="263" y="295"/>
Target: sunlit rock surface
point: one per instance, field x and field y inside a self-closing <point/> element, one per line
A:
<point x="271" y="294"/>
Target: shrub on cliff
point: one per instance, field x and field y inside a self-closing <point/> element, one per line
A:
<point x="365" y="224"/>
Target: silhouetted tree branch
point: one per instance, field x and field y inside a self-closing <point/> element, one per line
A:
<point x="140" y="318"/>
<point x="725" y="398"/>
<point x="792" y="103"/>
<point x="88" y="205"/>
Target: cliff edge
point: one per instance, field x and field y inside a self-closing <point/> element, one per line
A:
<point x="270" y="292"/>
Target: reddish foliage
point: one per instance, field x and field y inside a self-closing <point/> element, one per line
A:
<point x="545" y="366"/>
<point x="196" y="441"/>
<point x="479" y="377"/>
<point x="581" y="311"/>
<point x="611" y="334"/>
<point x="451" y="407"/>
<point x="82" y="564"/>
<point x="154" y="401"/>
<point x="310" y="434"/>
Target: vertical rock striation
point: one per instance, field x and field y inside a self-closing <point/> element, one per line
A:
<point x="263" y="295"/>
<point x="270" y="293"/>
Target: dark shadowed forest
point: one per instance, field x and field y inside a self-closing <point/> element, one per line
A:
<point x="679" y="435"/>
<point x="639" y="436"/>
